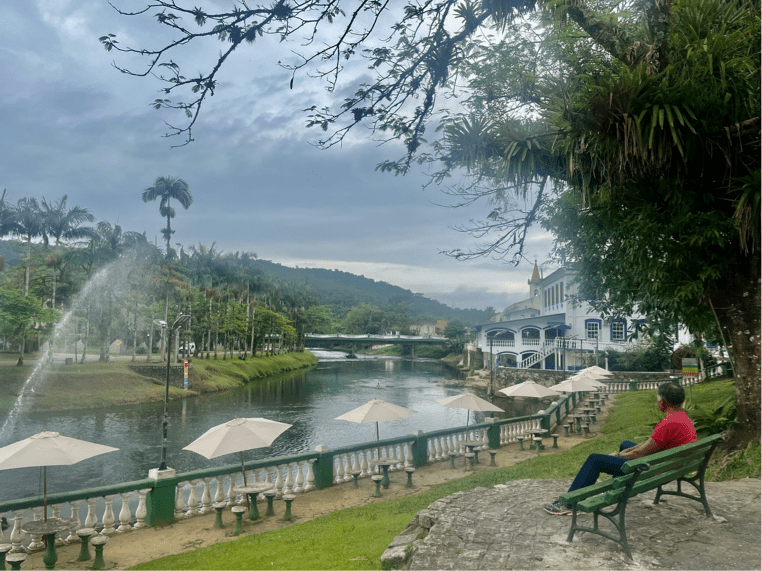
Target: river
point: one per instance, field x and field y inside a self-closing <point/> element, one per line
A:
<point x="309" y="400"/>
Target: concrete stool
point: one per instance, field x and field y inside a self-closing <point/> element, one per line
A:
<point x="469" y="461"/>
<point x="270" y="496"/>
<point x="452" y="459"/>
<point x="570" y="426"/>
<point x="592" y="417"/>
<point x="238" y="511"/>
<point x="15" y="559"/>
<point x="476" y="455"/>
<point x="537" y="443"/>
<point x="566" y="430"/>
<point x="288" y="498"/>
<point x="377" y="480"/>
<point x="492" y="454"/>
<point x="84" y="536"/>
<point x="355" y="475"/>
<point x="555" y="440"/>
<point x="98" y="542"/>
<point x="521" y="442"/>
<point x="586" y="428"/>
<point x="4" y="548"/>
<point x="409" y="471"/>
<point x="218" y="507"/>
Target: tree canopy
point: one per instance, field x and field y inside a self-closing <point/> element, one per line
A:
<point x="631" y="129"/>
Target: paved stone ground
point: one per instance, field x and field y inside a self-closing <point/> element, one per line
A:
<point x="506" y="528"/>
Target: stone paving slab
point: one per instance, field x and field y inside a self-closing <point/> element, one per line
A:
<point x="506" y="528"/>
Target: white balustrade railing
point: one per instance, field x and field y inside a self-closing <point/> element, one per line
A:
<point x="364" y="461"/>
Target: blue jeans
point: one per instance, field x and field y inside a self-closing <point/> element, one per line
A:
<point x="597" y="463"/>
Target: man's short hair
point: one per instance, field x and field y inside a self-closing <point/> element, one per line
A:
<point x="672" y="393"/>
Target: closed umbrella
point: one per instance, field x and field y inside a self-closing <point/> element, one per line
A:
<point x="376" y="411"/>
<point x="237" y="435"/>
<point x="49" y="449"/>
<point x="470" y="402"/>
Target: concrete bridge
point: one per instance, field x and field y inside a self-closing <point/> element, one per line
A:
<point x="331" y="340"/>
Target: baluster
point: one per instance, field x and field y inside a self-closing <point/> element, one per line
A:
<point x="409" y="456"/>
<point x="310" y="476"/>
<point x="75" y="523"/>
<point x="17" y="536"/>
<point x="193" y="499"/>
<point x="299" y="488"/>
<point x="206" y="498"/>
<point x="447" y="446"/>
<point x="124" y="513"/>
<point x="56" y="509"/>
<point x="355" y="461"/>
<point x="141" y="512"/>
<point x="348" y="467"/>
<point x="364" y="464"/>
<point x="268" y="478"/>
<point x="231" y="494"/>
<point x="485" y="440"/>
<point x="289" y="489"/>
<point x="219" y="495"/>
<point x="340" y="468"/>
<point x="91" y="519"/>
<point x="394" y="460"/>
<point x="108" y="516"/>
<point x="429" y="450"/>
<point x="179" y="499"/>
<point x="438" y="443"/>
<point x="36" y="542"/>
<point x="279" y="482"/>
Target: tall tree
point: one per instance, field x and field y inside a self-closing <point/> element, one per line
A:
<point x="167" y="188"/>
<point x="646" y="113"/>
<point x="64" y="223"/>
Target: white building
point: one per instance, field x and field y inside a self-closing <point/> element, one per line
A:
<point x="547" y="331"/>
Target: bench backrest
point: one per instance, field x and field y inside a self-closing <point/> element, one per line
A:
<point x="649" y="472"/>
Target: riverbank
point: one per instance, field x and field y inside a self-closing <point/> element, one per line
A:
<point x="94" y="384"/>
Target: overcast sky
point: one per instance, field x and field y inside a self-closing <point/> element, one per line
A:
<point x="72" y="124"/>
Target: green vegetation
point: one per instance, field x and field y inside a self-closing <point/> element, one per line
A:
<point x="115" y="384"/>
<point x="355" y="538"/>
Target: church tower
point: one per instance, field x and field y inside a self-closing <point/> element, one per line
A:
<point x="534" y="283"/>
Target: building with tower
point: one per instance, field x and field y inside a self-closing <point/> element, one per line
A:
<point x="548" y="331"/>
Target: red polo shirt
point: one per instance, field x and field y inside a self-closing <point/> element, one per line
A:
<point x="674" y="430"/>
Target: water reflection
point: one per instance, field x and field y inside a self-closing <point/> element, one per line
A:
<point x="309" y="400"/>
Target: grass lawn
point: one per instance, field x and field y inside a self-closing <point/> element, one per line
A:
<point x="96" y="384"/>
<point x="355" y="538"/>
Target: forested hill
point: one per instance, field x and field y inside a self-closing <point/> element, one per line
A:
<point x="343" y="289"/>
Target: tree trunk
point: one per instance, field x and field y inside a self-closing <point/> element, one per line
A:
<point x="736" y="301"/>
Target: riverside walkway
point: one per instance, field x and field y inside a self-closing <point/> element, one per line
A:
<point x="502" y="527"/>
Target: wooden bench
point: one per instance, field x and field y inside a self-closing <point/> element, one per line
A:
<point x="685" y="463"/>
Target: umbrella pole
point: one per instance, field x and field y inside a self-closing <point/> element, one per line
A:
<point x="45" y="492"/>
<point x="378" y="446"/>
<point x="243" y="471"/>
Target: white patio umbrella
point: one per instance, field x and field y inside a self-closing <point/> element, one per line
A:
<point x="49" y="449"/>
<point x="237" y="435"/>
<point x="589" y="378"/>
<point x="577" y="385"/>
<point x="469" y="402"/>
<point x="600" y="372"/>
<point x="529" y="389"/>
<point x="376" y="411"/>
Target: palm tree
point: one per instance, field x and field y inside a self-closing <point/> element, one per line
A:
<point x="28" y="225"/>
<point x="65" y="224"/>
<point x="7" y="217"/>
<point x="167" y="187"/>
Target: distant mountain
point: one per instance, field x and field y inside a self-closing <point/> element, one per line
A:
<point x="343" y="289"/>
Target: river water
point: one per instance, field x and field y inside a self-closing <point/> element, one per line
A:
<point x="309" y="400"/>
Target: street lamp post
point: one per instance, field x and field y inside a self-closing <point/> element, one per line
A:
<point x="181" y="320"/>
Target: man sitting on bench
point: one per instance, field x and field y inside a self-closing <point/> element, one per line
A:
<point x="673" y="430"/>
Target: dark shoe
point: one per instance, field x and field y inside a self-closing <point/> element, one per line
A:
<point x="557" y="508"/>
